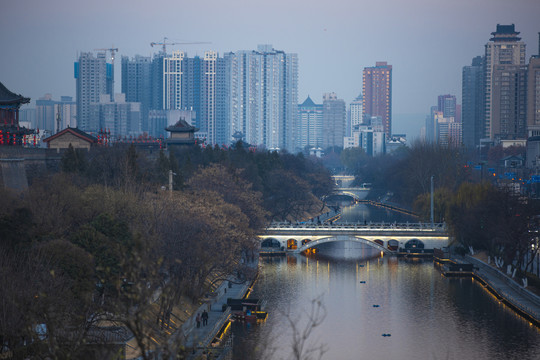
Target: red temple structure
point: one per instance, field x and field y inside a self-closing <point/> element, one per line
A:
<point x="10" y="132"/>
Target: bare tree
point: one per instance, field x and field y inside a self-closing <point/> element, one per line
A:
<point x="301" y="327"/>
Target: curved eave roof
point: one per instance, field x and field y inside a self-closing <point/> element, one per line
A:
<point x="180" y="141"/>
<point x="181" y="129"/>
<point x="76" y="132"/>
<point x="9" y="98"/>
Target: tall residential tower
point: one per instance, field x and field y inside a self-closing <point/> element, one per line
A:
<point x="505" y="85"/>
<point x="94" y="76"/>
<point x="472" y="110"/>
<point x="334" y="119"/>
<point x="377" y="91"/>
<point x="262" y="93"/>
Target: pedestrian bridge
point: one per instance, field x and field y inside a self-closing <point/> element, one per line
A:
<point x="387" y="237"/>
<point x="357" y="193"/>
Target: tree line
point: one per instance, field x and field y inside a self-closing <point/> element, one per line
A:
<point x="483" y="213"/>
<point x="99" y="247"/>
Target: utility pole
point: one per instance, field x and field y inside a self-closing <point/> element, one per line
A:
<point x="170" y="181"/>
<point x="431" y="200"/>
<point x="58" y="119"/>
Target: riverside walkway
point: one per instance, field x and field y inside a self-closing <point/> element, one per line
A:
<point x="507" y="290"/>
<point x="200" y="339"/>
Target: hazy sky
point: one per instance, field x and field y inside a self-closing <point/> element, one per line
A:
<point x="426" y="41"/>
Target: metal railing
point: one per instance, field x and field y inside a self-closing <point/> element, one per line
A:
<point x="360" y="226"/>
<point x="533" y="311"/>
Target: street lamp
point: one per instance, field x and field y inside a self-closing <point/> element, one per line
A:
<point x="431" y="200"/>
<point x="171" y="173"/>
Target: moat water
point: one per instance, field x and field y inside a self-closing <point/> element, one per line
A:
<point x="380" y="308"/>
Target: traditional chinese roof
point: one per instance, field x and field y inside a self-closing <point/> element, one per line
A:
<point x="9" y="98"/>
<point x="308" y="103"/>
<point x="512" y="157"/>
<point x="78" y="133"/>
<point x="505" y="33"/>
<point x="181" y="126"/>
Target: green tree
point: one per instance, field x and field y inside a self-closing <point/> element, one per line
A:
<point x="73" y="160"/>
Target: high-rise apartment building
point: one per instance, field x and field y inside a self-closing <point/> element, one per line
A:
<point x="309" y="125"/>
<point x="448" y="130"/>
<point x="249" y="92"/>
<point x="447" y="104"/>
<point x="27" y="118"/>
<point x="53" y="115"/>
<point x="473" y="103"/>
<point x="45" y="113"/>
<point x="430" y="134"/>
<point x="369" y="136"/>
<point x="505" y="85"/>
<point x="377" y="92"/>
<point x="355" y="114"/>
<point x="157" y="81"/>
<point x="94" y="77"/>
<point x="262" y="96"/>
<point x="172" y="81"/>
<point x="118" y="117"/>
<point x="207" y="112"/>
<point x="509" y="111"/>
<point x="334" y="118"/>
<point x="137" y="84"/>
<point x="533" y="95"/>
<point x="198" y="84"/>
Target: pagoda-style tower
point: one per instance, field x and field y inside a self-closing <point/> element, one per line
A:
<point x="182" y="135"/>
<point x="10" y="132"/>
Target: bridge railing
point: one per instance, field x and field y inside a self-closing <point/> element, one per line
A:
<point x="370" y="226"/>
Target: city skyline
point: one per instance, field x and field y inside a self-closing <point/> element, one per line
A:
<point x="418" y="38"/>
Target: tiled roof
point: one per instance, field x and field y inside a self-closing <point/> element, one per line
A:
<point x="181" y="126"/>
<point x="79" y="133"/>
<point x="308" y="103"/>
<point x="8" y="98"/>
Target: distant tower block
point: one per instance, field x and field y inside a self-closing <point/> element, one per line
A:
<point x="377" y="91"/>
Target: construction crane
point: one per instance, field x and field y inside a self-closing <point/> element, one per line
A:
<point x="164" y="43"/>
<point x="112" y="50"/>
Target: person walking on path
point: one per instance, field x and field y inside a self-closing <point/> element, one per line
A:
<point x="204" y="318"/>
<point x="198" y="319"/>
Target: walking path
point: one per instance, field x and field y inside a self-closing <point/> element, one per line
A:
<point x="200" y="338"/>
<point x="505" y="288"/>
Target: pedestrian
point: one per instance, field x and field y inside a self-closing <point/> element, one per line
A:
<point x="198" y="319"/>
<point x="204" y="318"/>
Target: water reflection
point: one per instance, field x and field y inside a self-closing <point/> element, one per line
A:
<point x="428" y="316"/>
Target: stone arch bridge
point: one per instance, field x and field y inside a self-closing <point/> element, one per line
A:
<point x="386" y="237"/>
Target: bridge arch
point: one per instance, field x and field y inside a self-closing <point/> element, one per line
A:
<point x="331" y="239"/>
<point x="351" y="194"/>
<point x="392" y="245"/>
<point x="414" y="244"/>
<point x="292" y="244"/>
<point x="270" y="243"/>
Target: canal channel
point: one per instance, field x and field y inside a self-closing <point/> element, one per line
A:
<point x="379" y="307"/>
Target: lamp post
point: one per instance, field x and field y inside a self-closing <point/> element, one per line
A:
<point x="171" y="181"/>
<point x="431" y="200"/>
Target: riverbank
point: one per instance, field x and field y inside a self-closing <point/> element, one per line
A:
<point x="505" y="289"/>
<point x="200" y="340"/>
